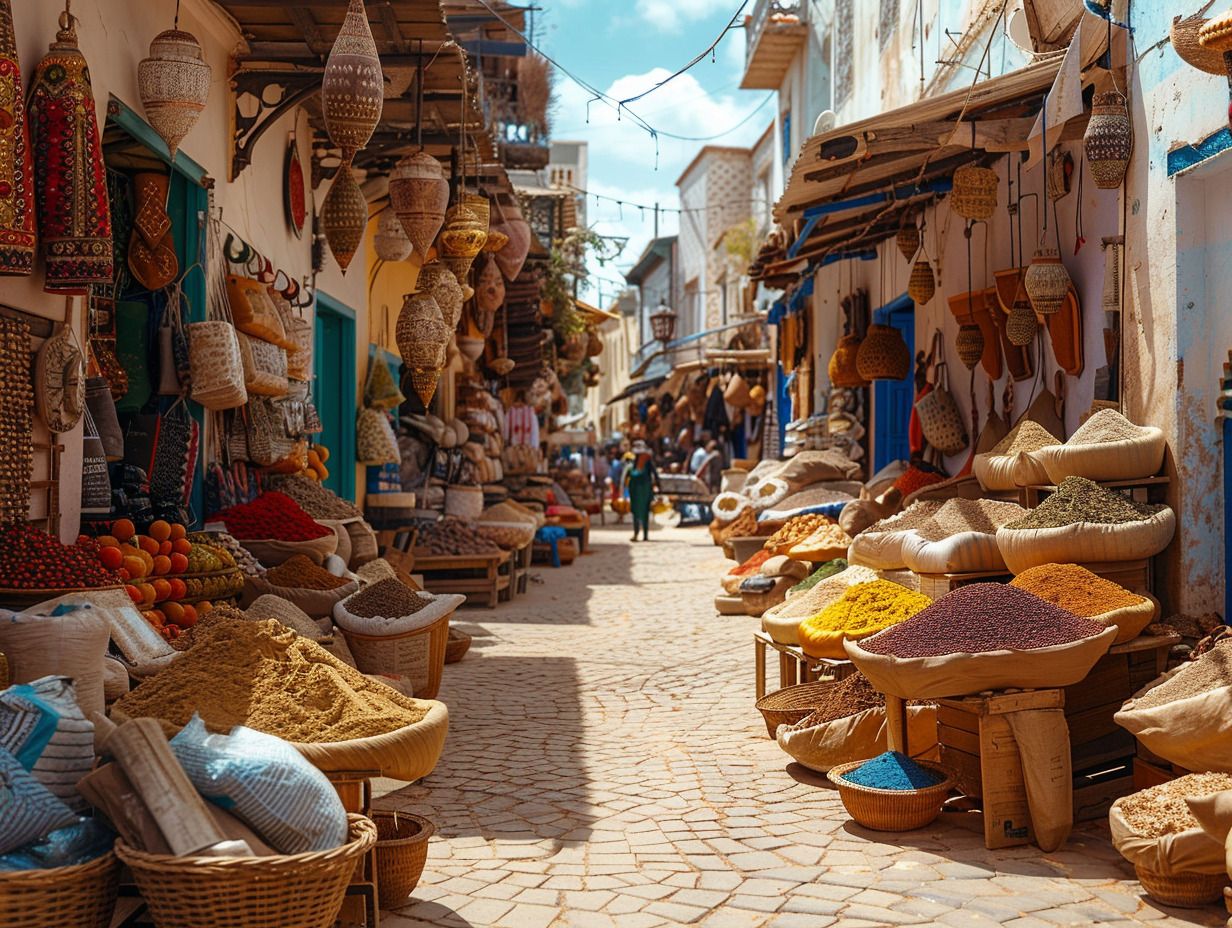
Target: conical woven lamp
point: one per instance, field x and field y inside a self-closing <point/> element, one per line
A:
<point x="419" y="196"/>
<point x="423" y="338"/>
<point x="908" y="241"/>
<point x="461" y="239"/>
<point x="970" y="345"/>
<point x="974" y="195"/>
<point x="883" y="354"/>
<point x="922" y="284"/>
<point x="511" y="258"/>
<point x="842" y="368"/>
<point x="1109" y="140"/>
<point x="1021" y="325"/>
<point x="352" y="87"/>
<point x="344" y="216"/>
<point x="174" y="83"/>
<point x="1046" y="281"/>
<point x="438" y="282"/>
<point x="390" y="242"/>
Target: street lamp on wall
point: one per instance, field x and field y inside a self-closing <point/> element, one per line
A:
<point x="663" y="322"/>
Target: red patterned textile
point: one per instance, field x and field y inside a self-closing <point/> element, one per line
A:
<point x="16" y="164"/>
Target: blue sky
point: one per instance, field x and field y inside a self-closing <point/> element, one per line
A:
<point x="623" y="47"/>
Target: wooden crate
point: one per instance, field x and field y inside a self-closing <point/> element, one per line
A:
<point x="934" y="586"/>
<point x="475" y="576"/>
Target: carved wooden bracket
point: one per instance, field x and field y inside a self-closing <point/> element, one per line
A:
<point x="274" y="92"/>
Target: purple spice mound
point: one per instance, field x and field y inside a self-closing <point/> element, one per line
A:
<point x="982" y="617"/>
<point x="892" y="770"/>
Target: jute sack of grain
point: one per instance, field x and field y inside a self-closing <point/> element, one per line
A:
<point x="782" y="623"/>
<point x="339" y="528"/>
<point x="1009" y="471"/>
<point x="881" y="545"/>
<point x="1194" y="732"/>
<point x="965" y="674"/>
<point x="809" y="467"/>
<point x="1086" y="542"/>
<point x="859" y="514"/>
<point x="857" y="737"/>
<point x="317" y="604"/>
<point x="364" y="546"/>
<point x="1043" y="736"/>
<point x="1189" y="851"/>
<point x="1124" y="459"/>
<point x="963" y="552"/>
<point x="1130" y="620"/>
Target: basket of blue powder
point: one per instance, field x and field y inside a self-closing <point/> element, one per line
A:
<point x="892" y="792"/>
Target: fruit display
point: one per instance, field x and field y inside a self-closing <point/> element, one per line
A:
<point x="30" y="559"/>
<point x="240" y="555"/>
<point x="316" y="470"/>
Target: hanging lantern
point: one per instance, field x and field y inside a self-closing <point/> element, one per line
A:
<point x="922" y="284"/>
<point x="1216" y="36"/>
<point x="352" y="87"/>
<point x="423" y="338"/>
<point x="174" y="83"/>
<point x="17" y="242"/>
<point x="461" y="239"/>
<point x="842" y="368"/>
<point x="975" y="192"/>
<point x="419" y="195"/>
<point x="437" y="281"/>
<point x="344" y="216"/>
<point x="517" y="230"/>
<point x="1109" y="140"/>
<point x="883" y="354"/>
<point x="1046" y="281"/>
<point x="1021" y="324"/>
<point x="663" y="323"/>
<point x="480" y="206"/>
<point x="390" y="242"/>
<point x="970" y="345"/>
<point x="496" y="240"/>
<point x="908" y="241"/>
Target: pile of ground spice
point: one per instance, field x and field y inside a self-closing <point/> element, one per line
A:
<point x="892" y="770"/>
<point x="1105" y="426"/>
<point x="849" y="696"/>
<point x="1162" y="810"/>
<point x="389" y="599"/>
<point x="914" y="516"/>
<point x="968" y="515"/>
<point x="797" y="529"/>
<point x="302" y="573"/>
<point x="867" y="608"/>
<point x="1211" y="671"/>
<point x="982" y="617"/>
<point x="1026" y="436"/>
<point x="266" y="677"/>
<point x="1075" y="589"/>
<point x="318" y="501"/>
<point x="825" y="592"/>
<point x="916" y="479"/>
<point x="1080" y="500"/>
<point x="828" y="569"/>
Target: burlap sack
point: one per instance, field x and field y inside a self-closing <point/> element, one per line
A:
<point x="1043" y="736"/>
<point x="1194" y="733"/>
<point x="1214" y="815"/>
<point x="1130" y="620"/>
<point x="859" y="514"/>
<point x="317" y="604"/>
<point x="1192" y="851"/>
<point x="960" y="553"/>
<point x="857" y="737"/>
<point x="1009" y="471"/>
<point x="1086" y="542"/>
<point x="1127" y="459"/>
<point x="809" y="467"/>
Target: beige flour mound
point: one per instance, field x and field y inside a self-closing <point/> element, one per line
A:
<point x="824" y="593"/>
<point x="266" y="677"/>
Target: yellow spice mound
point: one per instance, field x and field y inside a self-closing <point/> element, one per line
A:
<point x="863" y="610"/>
<point x="264" y="676"/>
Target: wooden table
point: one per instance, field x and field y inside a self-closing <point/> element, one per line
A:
<point x="477" y="576"/>
<point x="794" y="665"/>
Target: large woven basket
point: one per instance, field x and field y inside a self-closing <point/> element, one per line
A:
<point x="65" y="897"/>
<point x="459" y="644"/>
<point x="892" y="809"/>
<point x="290" y="891"/>
<point x="418" y="654"/>
<point x="1183" y="890"/>
<point x="408" y="753"/>
<point x="791" y="704"/>
<point x="401" y="852"/>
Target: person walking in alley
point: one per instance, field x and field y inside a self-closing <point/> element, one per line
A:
<point x="642" y="481"/>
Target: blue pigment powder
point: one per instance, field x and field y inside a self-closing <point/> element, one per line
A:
<point x="892" y="770"/>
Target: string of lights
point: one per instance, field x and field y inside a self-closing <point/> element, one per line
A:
<point x="679" y="211"/>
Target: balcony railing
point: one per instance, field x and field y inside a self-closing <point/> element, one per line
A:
<point x="774" y="31"/>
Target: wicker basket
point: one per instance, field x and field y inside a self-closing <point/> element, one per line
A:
<point x="883" y="354"/>
<point x="401" y="852"/>
<point x="301" y="890"/>
<point x="66" y="897"/>
<point x="1183" y="890"/>
<point x="791" y="704"/>
<point x="408" y="753"/>
<point x="418" y="654"/>
<point x="892" y="809"/>
<point x="974" y="195"/>
<point x="459" y="643"/>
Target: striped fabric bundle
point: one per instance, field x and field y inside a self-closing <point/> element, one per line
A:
<point x="42" y="726"/>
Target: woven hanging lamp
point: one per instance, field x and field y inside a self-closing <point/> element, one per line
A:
<point x="352" y="87"/>
<point x="970" y="345"/>
<point x="975" y="192"/>
<point x="922" y="284"/>
<point x="1109" y="140"/>
<point x="842" y="368"/>
<point x="1046" y="281"/>
<point x="174" y="83"/>
<point x="419" y="195"/>
<point x="883" y="354"/>
<point x="344" y="216"/>
<point x="438" y="282"/>
<point x="423" y="339"/>
<point x="461" y="239"/>
<point x="512" y="257"/>
<point x="390" y="242"/>
<point x="1184" y="36"/>
<point x="908" y="241"/>
<point x="1021" y="325"/>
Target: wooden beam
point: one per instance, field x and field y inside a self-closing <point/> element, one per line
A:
<point x="308" y="26"/>
<point x="389" y="20"/>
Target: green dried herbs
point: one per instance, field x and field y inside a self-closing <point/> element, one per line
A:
<point x="1080" y="500"/>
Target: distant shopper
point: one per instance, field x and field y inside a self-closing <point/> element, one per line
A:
<point x="642" y="481"/>
<point x="615" y="479"/>
<point x="710" y="471"/>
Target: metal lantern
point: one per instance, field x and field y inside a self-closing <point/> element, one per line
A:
<point x="1216" y="36"/>
<point x="908" y="241"/>
<point x="174" y="83"/>
<point x="437" y="281"/>
<point x="461" y="239"/>
<point x="344" y="216"/>
<point x="975" y="192"/>
<point x="1021" y="325"/>
<point x="663" y="322"/>
<point x="352" y="87"/>
<point x="970" y="345"/>
<point x="1109" y="140"/>
<point x="511" y="258"/>
<point x="419" y="195"/>
<point x="922" y="284"/>
<point x="1046" y="282"/>
<point x="390" y="242"/>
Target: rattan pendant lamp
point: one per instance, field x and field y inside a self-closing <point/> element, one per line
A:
<point x="1046" y="281"/>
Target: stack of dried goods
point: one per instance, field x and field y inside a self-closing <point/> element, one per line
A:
<point x="317" y="500"/>
<point x="452" y="537"/>
<point x="271" y="515"/>
<point x="892" y="770"/>
<point x="864" y="610"/>
<point x="1107" y="447"/>
<point x="301" y="572"/>
<point x="849" y="696"/>
<point x="824" y="572"/>
<point x="509" y="537"/>
<point x="796" y="530"/>
<point x="1012" y="461"/>
<point x="240" y="556"/>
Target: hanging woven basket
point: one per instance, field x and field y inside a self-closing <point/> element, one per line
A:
<point x="352" y="87"/>
<point x="970" y="345"/>
<point x="1021" y="325"/>
<point x="424" y="381"/>
<point x="908" y="241"/>
<point x="419" y="195"/>
<point x="390" y="242"/>
<point x="344" y="216"/>
<point x="421" y="333"/>
<point x="842" y="368"/>
<point x="1046" y="281"/>
<point x="883" y="354"/>
<point x="1109" y="140"/>
<point x="975" y="192"/>
<point x="439" y="282"/>
<point x="512" y="257"/>
<point x="1184" y="38"/>
<point x="174" y="84"/>
<point x="922" y="284"/>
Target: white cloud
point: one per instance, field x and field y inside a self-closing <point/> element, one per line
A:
<point x="671" y="15"/>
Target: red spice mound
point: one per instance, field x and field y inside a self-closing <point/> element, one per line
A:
<point x="914" y="479"/>
<point x="271" y="515"/>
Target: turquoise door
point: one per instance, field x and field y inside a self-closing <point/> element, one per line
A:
<point x="334" y="390"/>
<point x="894" y="398"/>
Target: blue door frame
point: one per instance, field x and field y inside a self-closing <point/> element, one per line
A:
<point x="334" y="389"/>
<point x="893" y="399"/>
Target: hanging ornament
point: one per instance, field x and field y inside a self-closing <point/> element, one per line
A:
<point x="1021" y="324"/>
<point x="70" y="179"/>
<point x="1046" y="281"/>
<point x="502" y="366"/>
<point x="883" y="354"/>
<point x="970" y="345"/>
<point x="437" y="281"/>
<point x="390" y="242"/>
<point x="16" y="164"/>
<point x="344" y="216"/>
<point x="496" y="240"/>
<point x="353" y="87"/>
<point x="975" y="192"/>
<point x="481" y="207"/>
<point x="922" y="284"/>
<point x="461" y="239"/>
<point x="908" y="241"/>
<point x="517" y="230"/>
<point x="174" y="83"/>
<point x="1109" y="140"/>
<point x="423" y="338"/>
<point x="419" y="195"/>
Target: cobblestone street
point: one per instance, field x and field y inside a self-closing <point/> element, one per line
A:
<point x="606" y="767"/>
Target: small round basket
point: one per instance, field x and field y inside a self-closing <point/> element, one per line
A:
<point x="67" y="897"/>
<point x="791" y="704"/>
<point x="304" y="890"/>
<point x="401" y="852"/>
<point x="418" y="654"/>
<point x="892" y="809"/>
<point x="459" y="643"/>
<point x="1183" y="890"/>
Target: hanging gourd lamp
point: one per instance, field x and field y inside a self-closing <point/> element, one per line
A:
<point x="437" y="281"/>
<point x="1216" y="36"/>
<point x="419" y="195"/>
<point x="970" y="345"/>
<point x="390" y="242"/>
<point x="922" y="285"/>
<point x="174" y="84"/>
<point x="511" y="258"/>
<point x="908" y="241"/>
<point x="344" y="216"/>
<point x="461" y="239"/>
<point x="1109" y="140"/>
<point x="423" y="338"/>
<point x="842" y="368"/>
<point x="352" y="87"/>
<point x="1046" y="281"/>
<point x="974" y="195"/>
<point x="1021" y="325"/>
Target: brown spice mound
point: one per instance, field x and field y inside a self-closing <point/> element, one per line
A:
<point x="266" y="677"/>
<point x="387" y="598"/>
<point x="849" y="696"/>
<point x="1213" y="670"/>
<point x="918" y="514"/>
<point x="1075" y="589"/>
<point x="301" y="572"/>
<point x="1161" y="810"/>
<point x="1106" y="425"/>
<point x="1026" y="436"/>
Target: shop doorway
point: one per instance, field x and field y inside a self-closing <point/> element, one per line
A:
<point x="334" y="390"/>
<point x="892" y="399"/>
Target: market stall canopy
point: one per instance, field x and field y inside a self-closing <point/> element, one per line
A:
<point x="594" y="315"/>
<point x="636" y="389"/>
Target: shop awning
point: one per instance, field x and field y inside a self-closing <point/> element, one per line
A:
<point x="634" y="389"/>
<point x="594" y="314"/>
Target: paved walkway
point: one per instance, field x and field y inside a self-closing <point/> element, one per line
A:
<point x="605" y="767"/>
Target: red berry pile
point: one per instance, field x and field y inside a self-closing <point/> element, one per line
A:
<point x="31" y="559"/>
<point x="271" y="515"/>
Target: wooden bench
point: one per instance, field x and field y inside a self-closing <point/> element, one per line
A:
<point x="794" y="665"/>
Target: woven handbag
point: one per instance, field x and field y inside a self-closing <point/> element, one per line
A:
<point x="940" y="419"/>
<point x="254" y="311"/>
<point x="217" y="368"/>
<point x="265" y="366"/>
<point x="268" y="441"/>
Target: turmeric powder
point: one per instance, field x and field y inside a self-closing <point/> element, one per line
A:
<point x="1076" y="589"/>
<point x="864" y="610"/>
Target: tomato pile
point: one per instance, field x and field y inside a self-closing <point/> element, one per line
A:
<point x="271" y="515"/>
<point x="30" y="559"/>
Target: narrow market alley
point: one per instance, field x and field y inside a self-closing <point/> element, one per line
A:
<point x="605" y="767"/>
